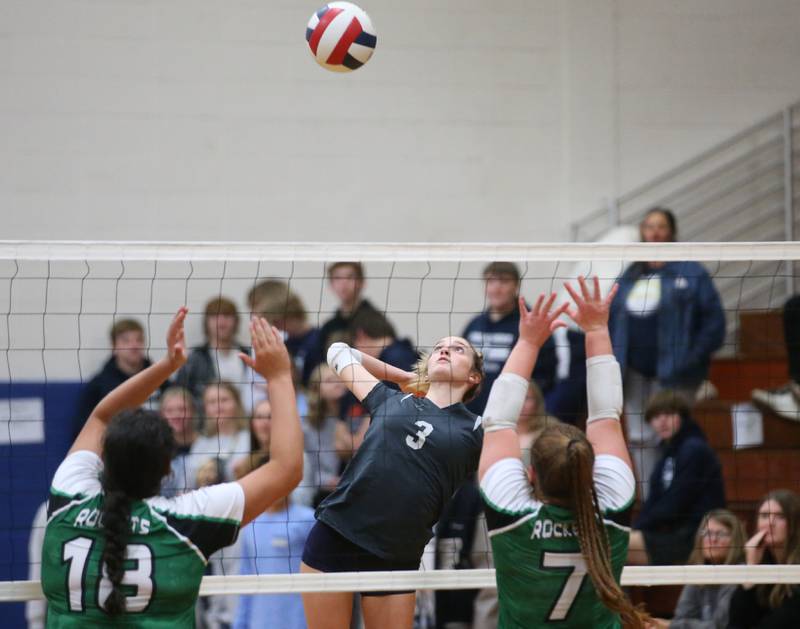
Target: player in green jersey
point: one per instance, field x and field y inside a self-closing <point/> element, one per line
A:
<point x="549" y="537"/>
<point x="115" y="553"/>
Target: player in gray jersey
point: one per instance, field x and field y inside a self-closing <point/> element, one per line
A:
<point x="415" y="454"/>
<point x="117" y="554"/>
<point x="564" y="521"/>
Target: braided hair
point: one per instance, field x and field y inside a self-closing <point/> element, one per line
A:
<point x="137" y="451"/>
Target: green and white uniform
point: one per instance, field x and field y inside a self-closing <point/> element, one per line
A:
<point x="168" y="548"/>
<point x="541" y="575"/>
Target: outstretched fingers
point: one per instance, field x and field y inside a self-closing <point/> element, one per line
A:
<point x="574" y="294"/>
<point x="611" y="294"/>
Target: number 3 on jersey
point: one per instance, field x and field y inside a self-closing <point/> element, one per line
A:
<point x="576" y="565"/>
<point x="418" y="440"/>
<point x="76" y="553"/>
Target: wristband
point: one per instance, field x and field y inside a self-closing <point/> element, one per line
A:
<point x="341" y="355"/>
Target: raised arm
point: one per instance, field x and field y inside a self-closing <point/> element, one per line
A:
<point x="284" y="470"/>
<point x="361" y="372"/>
<point x="603" y="378"/>
<point x="508" y="392"/>
<point x="135" y="390"/>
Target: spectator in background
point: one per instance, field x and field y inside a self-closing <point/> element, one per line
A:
<point x="533" y="419"/>
<point x="495" y="331"/>
<point x="127" y="359"/>
<point x="777" y="541"/>
<point x="218" y="358"/>
<point x="346" y="280"/>
<point x="283" y="308"/>
<point x="567" y="399"/>
<point x="177" y="408"/>
<point x="786" y="400"/>
<point x="666" y="322"/>
<point x="719" y="541"/>
<point x="686" y="483"/>
<point x="273" y="544"/>
<point x="373" y="334"/>
<point x="260" y="434"/>
<point x="323" y="430"/>
<point x="36" y="609"/>
<point x="226" y="438"/>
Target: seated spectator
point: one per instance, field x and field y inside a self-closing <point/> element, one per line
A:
<point x="127" y="359"/>
<point x="533" y="419"/>
<point x="495" y="331"/>
<point x="719" y="541"/>
<point x="786" y="400"/>
<point x="346" y="280"/>
<point x="273" y="544"/>
<point x="284" y="309"/>
<point x="260" y="432"/>
<point x="177" y="408"/>
<point x="322" y="429"/>
<point x="225" y="437"/>
<point x="218" y="358"/>
<point x="686" y="483"/>
<point x="666" y="321"/>
<point x="374" y="335"/>
<point x="777" y="541"/>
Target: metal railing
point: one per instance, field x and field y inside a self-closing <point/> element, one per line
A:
<point x="746" y="188"/>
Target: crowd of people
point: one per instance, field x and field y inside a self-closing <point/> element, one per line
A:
<point x="498" y="388"/>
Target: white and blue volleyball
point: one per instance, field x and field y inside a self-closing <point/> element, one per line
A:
<point x="341" y="37"/>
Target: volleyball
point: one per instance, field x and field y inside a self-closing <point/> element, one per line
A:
<point x="341" y="37"/>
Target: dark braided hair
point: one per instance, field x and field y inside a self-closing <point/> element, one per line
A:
<point x="137" y="451"/>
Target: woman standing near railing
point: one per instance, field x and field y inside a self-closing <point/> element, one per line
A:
<point x="666" y="322"/>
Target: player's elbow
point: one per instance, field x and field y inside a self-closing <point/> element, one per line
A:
<point x="292" y="472"/>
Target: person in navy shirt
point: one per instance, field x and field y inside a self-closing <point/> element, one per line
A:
<point x="666" y="322"/>
<point x="374" y="334"/>
<point x="416" y="452"/>
<point x="686" y="483"/>
<point x="495" y="331"/>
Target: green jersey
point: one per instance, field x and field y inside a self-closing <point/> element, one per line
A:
<point x="541" y="575"/>
<point x="169" y="545"/>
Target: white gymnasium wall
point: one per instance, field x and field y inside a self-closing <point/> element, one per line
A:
<point x="208" y="120"/>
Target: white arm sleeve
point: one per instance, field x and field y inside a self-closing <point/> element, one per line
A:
<point x="614" y="483"/>
<point x="505" y="487"/>
<point x="79" y="473"/>
<point x="505" y="402"/>
<point x="603" y="388"/>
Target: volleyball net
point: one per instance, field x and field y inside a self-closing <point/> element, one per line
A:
<point x="59" y="301"/>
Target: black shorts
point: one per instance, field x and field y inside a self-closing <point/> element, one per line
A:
<point x="327" y="550"/>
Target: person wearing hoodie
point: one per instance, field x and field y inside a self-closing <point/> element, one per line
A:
<point x="495" y="331"/>
<point x="127" y="359"/>
<point x="686" y="483"/>
<point x="373" y="334"/>
<point x="666" y="322"/>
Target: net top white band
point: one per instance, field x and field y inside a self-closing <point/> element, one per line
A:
<point x="392" y="252"/>
<point x="442" y="579"/>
